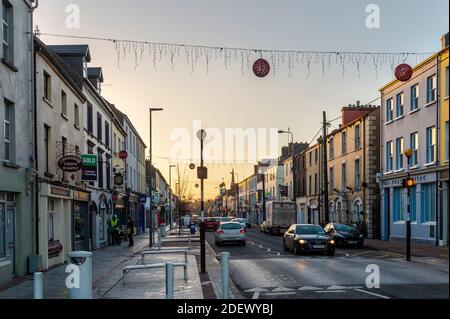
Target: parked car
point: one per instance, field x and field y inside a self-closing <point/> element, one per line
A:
<point x="230" y="232"/>
<point x="308" y="239"/>
<point x="211" y="223"/>
<point x="243" y="221"/>
<point x="345" y="235"/>
<point x="225" y="219"/>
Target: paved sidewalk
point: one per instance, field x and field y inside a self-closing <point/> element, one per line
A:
<point x="399" y="247"/>
<point x="107" y="272"/>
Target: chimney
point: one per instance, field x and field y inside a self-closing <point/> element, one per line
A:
<point x="444" y="40"/>
<point x="353" y="112"/>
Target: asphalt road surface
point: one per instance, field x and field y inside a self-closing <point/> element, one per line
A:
<point x="262" y="270"/>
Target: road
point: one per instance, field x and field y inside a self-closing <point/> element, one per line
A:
<point x="263" y="270"/>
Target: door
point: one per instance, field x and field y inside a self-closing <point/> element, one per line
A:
<point x="10" y="214"/>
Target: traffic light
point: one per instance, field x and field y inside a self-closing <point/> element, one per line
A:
<point x="409" y="182"/>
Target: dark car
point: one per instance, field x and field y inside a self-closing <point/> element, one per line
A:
<point x="345" y="235"/>
<point x="211" y="223"/>
<point x="305" y="239"/>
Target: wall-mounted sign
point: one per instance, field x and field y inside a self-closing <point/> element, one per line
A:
<point x="70" y="163"/>
<point x="89" y="170"/>
<point x="118" y="180"/>
<point x="60" y="192"/>
<point x="123" y="155"/>
<point x="143" y="198"/>
<point x="81" y="196"/>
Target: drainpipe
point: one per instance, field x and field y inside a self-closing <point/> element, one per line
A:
<point x="364" y="174"/>
<point x="439" y="216"/>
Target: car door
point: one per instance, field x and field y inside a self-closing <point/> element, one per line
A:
<point x="290" y="235"/>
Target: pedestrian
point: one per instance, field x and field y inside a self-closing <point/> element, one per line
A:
<point x="114" y="230"/>
<point x="130" y="231"/>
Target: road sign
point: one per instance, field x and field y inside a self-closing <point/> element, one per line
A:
<point x="89" y="170"/>
<point x="202" y="172"/>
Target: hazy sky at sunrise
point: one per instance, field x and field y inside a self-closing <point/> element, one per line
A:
<point x="226" y="98"/>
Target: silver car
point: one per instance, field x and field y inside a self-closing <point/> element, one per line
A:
<point x="230" y="232"/>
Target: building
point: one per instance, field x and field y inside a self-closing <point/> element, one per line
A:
<point x="59" y="105"/>
<point x="444" y="146"/>
<point x="275" y="181"/>
<point x="312" y="172"/>
<point x="97" y="120"/>
<point x="17" y="154"/>
<point x="409" y="120"/>
<point x="287" y="158"/>
<point x="352" y="169"/>
<point x="301" y="191"/>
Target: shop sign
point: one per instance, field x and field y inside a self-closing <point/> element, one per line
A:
<point x="62" y="192"/>
<point x="123" y="155"/>
<point x="70" y="163"/>
<point x="89" y="169"/>
<point x="398" y="181"/>
<point x="81" y="196"/>
<point x="118" y="180"/>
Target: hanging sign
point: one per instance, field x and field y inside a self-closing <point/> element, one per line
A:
<point x="123" y="155"/>
<point x="70" y="163"/>
<point x="89" y="170"/>
<point x="118" y="180"/>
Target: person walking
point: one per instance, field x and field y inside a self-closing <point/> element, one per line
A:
<point x="130" y="231"/>
<point x="115" y="230"/>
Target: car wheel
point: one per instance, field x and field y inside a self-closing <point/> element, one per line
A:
<point x="244" y="243"/>
<point x="286" y="248"/>
<point x="331" y="253"/>
<point x="296" y="250"/>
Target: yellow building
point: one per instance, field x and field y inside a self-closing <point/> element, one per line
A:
<point x="444" y="134"/>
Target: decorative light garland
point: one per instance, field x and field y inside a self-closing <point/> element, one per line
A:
<point x="247" y="57"/>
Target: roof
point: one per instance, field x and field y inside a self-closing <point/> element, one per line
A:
<point x="63" y="68"/>
<point x="68" y="50"/>
<point x="95" y="73"/>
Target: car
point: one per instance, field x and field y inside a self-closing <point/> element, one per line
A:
<point x="243" y="221"/>
<point x="211" y="223"/>
<point x="306" y="239"/>
<point x="225" y="219"/>
<point x="230" y="233"/>
<point x="345" y="235"/>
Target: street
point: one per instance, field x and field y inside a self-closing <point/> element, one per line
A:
<point x="263" y="270"/>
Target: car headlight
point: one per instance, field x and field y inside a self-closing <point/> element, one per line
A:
<point x="302" y="241"/>
<point x="332" y="242"/>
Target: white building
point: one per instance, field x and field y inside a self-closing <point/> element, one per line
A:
<point x="274" y="179"/>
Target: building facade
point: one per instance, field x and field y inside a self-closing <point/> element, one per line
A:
<point x="17" y="159"/>
<point x="301" y="191"/>
<point x="313" y="184"/>
<point x="409" y="120"/>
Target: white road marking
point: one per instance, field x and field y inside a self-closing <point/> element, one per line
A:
<point x="330" y="291"/>
<point x="257" y="290"/>
<point x="336" y="288"/>
<point x="280" y="293"/>
<point x="283" y="289"/>
<point x="308" y="288"/>
<point x="373" y="294"/>
<point x="256" y="295"/>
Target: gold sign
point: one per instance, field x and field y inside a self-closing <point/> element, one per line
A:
<point x="81" y="196"/>
<point x="56" y="191"/>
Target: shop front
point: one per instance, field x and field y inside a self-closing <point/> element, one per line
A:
<point x="7" y="234"/>
<point x="102" y="218"/>
<point x="134" y="209"/>
<point x="81" y="223"/>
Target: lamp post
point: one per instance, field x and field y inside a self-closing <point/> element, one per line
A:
<point x="202" y="174"/>
<point x="237" y="192"/>
<point x="170" y="194"/>
<point x="151" y="110"/>
<point x="408" y="183"/>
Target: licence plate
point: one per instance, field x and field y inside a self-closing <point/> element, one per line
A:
<point x="352" y="242"/>
<point x="319" y="246"/>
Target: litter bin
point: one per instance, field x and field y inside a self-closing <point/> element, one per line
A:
<point x="192" y="228"/>
<point x="163" y="230"/>
<point x="81" y="285"/>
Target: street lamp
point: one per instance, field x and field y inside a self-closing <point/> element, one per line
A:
<point x="408" y="183"/>
<point x="237" y="191"/>
<point x="170" y="194"/>
<point x="202" y="174"/>
<point x="151" y="110"/>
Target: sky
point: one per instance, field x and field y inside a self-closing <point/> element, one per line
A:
<point x="225" y="98"/>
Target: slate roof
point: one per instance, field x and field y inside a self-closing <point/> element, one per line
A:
<point x="79" y="50"/>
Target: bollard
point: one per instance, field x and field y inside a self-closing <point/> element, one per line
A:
<point x="79" y="280"/>
<point x="38" y="285"/>
<point x="190" y="235"/>
<point x="169" y="280"/>
<point x="225" y="261"/>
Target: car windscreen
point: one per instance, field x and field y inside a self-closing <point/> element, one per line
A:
<point x="210" y="219"/>
<point x="345" y="228"/>
<point x="230" y="226"/>
<point x="310" y="230"/>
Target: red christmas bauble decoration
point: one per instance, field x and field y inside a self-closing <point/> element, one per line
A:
<point x="261" y="68"/>
<point x="403" y="72"/>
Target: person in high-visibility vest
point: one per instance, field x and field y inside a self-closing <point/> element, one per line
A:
<point x="115" y="230"/>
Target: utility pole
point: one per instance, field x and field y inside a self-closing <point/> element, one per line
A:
<point x="170" y="194"/>
<point x="202" y="174"/>
<point x="325" y="169"/>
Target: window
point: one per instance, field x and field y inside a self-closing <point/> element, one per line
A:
<point x="399" y="215"/>
<point x="107" y="134"/>
<point x="344" y="142"/>
<point x="7" y="13"/>
<point x="344" y="178"/>
<point x="389" y="157"/>
<point x="357" y="174"/>
<point x="47" y="87"/>
<point x="9" y="130"/>
<point x="64" y="103"/>
<point x="428" y="203"/>
<point x="100" y="169"/>
<point x="446" y="141"/>
<point x="414" y="97"/>
<point x="316" y="156"/>
<point x="77" y="115"/>
<point x="431" y="89"/>
<point x="2" y="229"/>
<point x="310" y="159"/>
<point x="316" y="184"/>
<point x="357" y="137"/>
<point x="47" y="137"/>
<point x="310" y="185"/>
<point x="414" y="144"/>
<point x="99" y="127"/>
<point x="389" y="110"/>
<point x="431" y="145"/>
<point x="400" y="104"/>
<point x="413" y="203"/>
<point x="51" y="220"/>
<point x="108" y="174"/>
<point x="331" y="179"/>
<point x="331" y="148"/>
<point x="114" y="143"/>
<point x="446" y="82"/>
<point x="399" y="153"/>
<point x="90" y="119"/>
